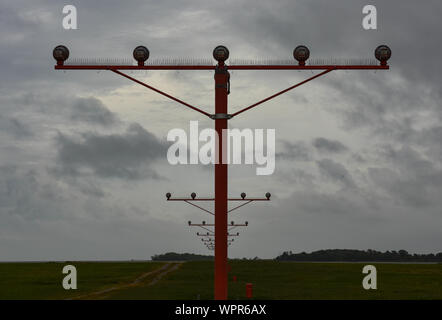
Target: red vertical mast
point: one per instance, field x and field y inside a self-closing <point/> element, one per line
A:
<point x="221" y="116"/>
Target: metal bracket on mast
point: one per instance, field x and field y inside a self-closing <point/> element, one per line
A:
<point x="220" y="116"/>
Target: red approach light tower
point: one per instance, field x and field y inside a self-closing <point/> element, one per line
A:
<point x="221" y="116"/>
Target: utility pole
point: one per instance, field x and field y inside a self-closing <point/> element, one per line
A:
<point x="221" y="116"/>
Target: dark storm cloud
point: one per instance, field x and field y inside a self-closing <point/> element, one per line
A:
<point x="128" y="155"/>
<point x="336" y="172"/>
<point x="326" y="145"/>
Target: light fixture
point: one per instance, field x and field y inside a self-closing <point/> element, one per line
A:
<point x="61" y="54"/>
<point x="141" y="54"/>
<point x="221" y="53"/>
<point x="301" y="53"/>
<point x="382" y="53"/>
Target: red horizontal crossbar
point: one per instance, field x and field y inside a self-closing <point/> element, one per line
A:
<point x="309" y="67"/>
<point x="212" y="199"/>
<point x="127" y="67"/>
<point x="234" y="67"/>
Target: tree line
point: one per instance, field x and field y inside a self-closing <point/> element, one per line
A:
<point x="329" y="255"/>
<point x="173" y="256"/>
<point x="359" y="255"/>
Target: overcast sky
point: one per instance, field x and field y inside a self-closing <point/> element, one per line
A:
<point x="83" y="167"/>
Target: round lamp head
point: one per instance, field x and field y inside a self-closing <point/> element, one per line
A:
<point x="168" y="195"/>
<point x="301" y="54"/>
<point x="268" y="195"/>
<point x="141" y="54"/>
<point x="382" y="53"/>
<point x="243" y="195"/>
<point x="60" y="53"/>
<point x="193" y="195"/>
<point x="221" y="53"/>
<point x="189" y="222"/>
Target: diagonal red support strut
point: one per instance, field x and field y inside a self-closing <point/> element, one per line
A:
<point x="241" y="205"/>
<point x="199" y="207"/>
<point x="160" y="92"/>
<point x="283" y="91"/>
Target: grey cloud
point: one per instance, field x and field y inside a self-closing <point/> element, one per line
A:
<point x="92" y="110"/>
<point x="297" y="176"/>
<point x="414" y="181"/>
<point x="14" y="127"/>
<point x="88" y="186"/>
<point x="336" y="172"/>
<point x="24" y="193"/>
<point x="320" y="203"/>
<point x="431" y="140"/>
<point x="326" y="145"/>
<point x="295" y="151"/>
<point x="128" y="155"/>
<point x="71" y="108"/>
<point x="408" y="160"/>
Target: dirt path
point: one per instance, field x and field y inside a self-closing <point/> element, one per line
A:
<point x="157" y="273"/>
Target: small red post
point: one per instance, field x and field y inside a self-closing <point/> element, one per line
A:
<point x="249" y="290"/>
<point x="234" y="279"/>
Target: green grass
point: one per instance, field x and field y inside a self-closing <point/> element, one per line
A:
<point x="288" y="280"/>
<point x="271" y="280"/>
<point x="44" y="280"/>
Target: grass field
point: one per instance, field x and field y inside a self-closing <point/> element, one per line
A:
<point x="194" y="280"/>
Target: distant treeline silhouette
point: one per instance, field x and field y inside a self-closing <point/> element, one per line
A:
<point x="359" y="255"/>
<point x="173" y="256"/>
<point x="321" y="255"/>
